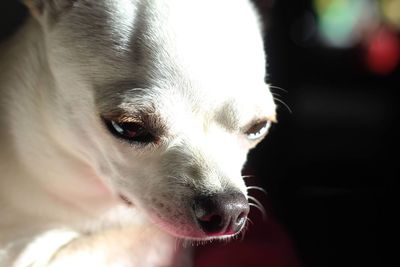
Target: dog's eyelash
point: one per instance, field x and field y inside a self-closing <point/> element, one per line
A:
<point x="133" y="132"/>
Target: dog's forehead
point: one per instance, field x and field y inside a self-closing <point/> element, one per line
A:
<point x="209" y="42"/>
<point x="206" y="53"/>
<point x="214" y="42"/>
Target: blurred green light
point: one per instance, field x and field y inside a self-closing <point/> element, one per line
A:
<point x="337" y="20"/>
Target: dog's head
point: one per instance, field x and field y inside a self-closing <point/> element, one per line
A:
<point x="164" y="98"/>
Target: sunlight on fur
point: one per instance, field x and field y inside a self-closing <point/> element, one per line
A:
<point x="127" y="125"/>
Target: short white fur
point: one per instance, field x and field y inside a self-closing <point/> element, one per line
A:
<point x="198" y="67"/>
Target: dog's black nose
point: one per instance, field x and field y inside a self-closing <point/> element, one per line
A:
<point x="221" y="214"/>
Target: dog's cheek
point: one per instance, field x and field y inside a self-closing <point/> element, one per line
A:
<point x="164" y="210"/>
<point x="168" y="199"/>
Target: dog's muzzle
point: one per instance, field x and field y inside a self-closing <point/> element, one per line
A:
<point x="221" y="214"/>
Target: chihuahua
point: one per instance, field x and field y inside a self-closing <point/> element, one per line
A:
<point x="125" y="125"/>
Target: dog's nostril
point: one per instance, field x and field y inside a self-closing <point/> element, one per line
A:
<point x="221" y="214"/>
<point x="211" y="224"/>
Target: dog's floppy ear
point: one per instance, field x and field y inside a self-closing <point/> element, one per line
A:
<point x="37" y="7"/>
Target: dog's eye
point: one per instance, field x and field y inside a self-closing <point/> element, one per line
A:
<point x="130" y="131"/>
<point x="258" y="130"/>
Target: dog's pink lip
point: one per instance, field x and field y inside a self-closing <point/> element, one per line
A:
<point x="194" y="234"/>
<point x="200" y="236"/>
<point x="222" y="234"/>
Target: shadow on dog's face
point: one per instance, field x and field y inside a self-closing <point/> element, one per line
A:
<point x="171" y="96"/>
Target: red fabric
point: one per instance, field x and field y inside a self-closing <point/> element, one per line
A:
<point x="265" y="244"/>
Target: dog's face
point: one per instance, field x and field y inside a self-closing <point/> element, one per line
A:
<point x="164" y="99"/>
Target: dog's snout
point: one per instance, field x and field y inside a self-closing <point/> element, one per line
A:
<point x="221" y="214"/>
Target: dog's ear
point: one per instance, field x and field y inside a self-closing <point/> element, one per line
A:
<point x="38" y="7"/>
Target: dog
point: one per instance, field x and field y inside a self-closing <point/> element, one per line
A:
<point x="125" y="125"/>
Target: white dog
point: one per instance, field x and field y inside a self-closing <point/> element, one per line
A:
<point x="125" y="125"/>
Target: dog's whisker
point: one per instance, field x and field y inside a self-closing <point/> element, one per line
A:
<point x="275" y="94"/>
<point x="242" y="234"/>
<point x="264" y="216"/>
<point x="186" y="243"/>
<point x="247" y="176"/>
<point x="245" y="228"/>
<point x="227" y="240"/>
<point x="137" y="89"/>
<point x="277" y="87"/>
<point x="284" y="104"/>
<point x="178" y="244"/>
<point x="257" y="188"/>
<point x="256" y="202"/>
<point x="258" y="206"/>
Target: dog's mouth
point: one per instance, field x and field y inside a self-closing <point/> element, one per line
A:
<point x="218" y="216"/>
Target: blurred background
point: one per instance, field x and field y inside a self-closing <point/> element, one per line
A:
<point x="329" y="166"/>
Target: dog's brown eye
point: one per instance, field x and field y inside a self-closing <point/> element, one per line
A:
<point x="258" y="129"/>
<point x="130" y="131"/>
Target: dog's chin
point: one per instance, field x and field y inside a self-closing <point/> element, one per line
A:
<point x="206" y="238"/>
<point x="201" y="237"/>
<point x="192" y="232"/>
<point x="191" y="235"/>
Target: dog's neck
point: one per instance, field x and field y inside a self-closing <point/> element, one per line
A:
<point x="30" y="142"/>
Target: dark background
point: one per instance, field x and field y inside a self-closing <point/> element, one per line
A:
<point x="329" y="166"/>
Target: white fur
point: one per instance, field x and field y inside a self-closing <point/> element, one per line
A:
<point x="197" y="66"/>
